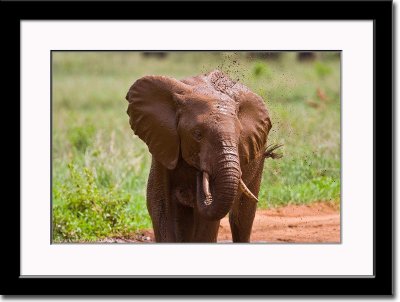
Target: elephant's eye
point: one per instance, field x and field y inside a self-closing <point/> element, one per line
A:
<point x="197" y="134"/>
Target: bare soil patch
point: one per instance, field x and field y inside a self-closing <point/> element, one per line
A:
<point x="314" y="223"/>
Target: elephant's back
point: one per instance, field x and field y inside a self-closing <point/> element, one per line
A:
<point x="195" y="81"/>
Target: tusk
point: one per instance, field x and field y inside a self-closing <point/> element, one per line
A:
<point x="246" y="191"/>
<point x="206" y="189"/>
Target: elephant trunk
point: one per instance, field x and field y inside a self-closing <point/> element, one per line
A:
<point x="215" y="197"/>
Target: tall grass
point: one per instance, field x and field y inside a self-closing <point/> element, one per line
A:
<point x="100" y="167"/>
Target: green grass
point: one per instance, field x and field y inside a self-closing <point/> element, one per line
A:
<point x="100" y="167"/>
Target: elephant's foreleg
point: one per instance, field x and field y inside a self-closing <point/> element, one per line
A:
<point x="158" y="219"/>
<point x="184" y="223"/>
<point x="204" y="230"/>
<point x="159" y="205"/>
<point x="243" y="211"/>
<point x="241" y="219"/>
<point x="163" y="220"/>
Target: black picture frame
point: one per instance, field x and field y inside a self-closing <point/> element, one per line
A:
<point x="378" y="11"/>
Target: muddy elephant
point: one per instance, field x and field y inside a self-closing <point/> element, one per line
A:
<point x="207" y="135"/>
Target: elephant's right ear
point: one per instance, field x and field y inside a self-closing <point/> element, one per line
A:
<point x="152" y="111"/>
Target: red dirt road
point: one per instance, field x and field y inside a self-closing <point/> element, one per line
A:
<point x="314" y="223"/>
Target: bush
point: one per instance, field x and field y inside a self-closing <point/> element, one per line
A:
<point x="83" y="212"/>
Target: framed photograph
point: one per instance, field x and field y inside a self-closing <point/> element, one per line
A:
<point x="255" y="148"/>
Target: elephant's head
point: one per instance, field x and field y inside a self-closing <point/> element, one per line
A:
<point x="211" y="122"/>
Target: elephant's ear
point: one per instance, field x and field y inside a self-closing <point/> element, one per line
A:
<point x="152" y="111"/>
<point x="256" y="123"/>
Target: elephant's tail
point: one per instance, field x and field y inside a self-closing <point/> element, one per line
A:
<point x="269" y="152"/>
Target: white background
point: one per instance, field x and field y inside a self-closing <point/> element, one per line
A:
<point x="398" y="183"/>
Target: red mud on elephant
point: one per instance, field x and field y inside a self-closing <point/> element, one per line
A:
<point x="208" y="139"/>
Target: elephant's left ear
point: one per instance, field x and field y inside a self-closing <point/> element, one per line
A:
<point x="256" y="124"/>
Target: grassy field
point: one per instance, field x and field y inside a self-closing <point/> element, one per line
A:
<point x="100" y="167"/>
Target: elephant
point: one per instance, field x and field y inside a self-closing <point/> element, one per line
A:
<point x="207" y="135"/>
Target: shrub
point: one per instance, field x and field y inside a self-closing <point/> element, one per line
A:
<point x="83" y="212"/>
